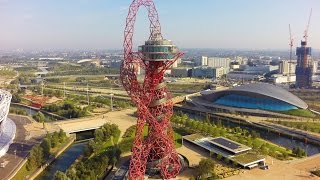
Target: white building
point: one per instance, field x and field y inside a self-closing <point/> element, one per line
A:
<point x="284" y="67"/>
<point x="279" y="78"/>
<point x="176" y="63"/>
<point x="219" y="62"/>
<point x="204" y="61"/>
<point x="314" y="66"/>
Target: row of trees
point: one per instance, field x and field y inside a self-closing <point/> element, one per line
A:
<point x="307" y="126"/>
<point x="18" y="111"/>
<point x="102" y="152"/>
<point x="42" y="152"/>
<point x="67" y="110"/>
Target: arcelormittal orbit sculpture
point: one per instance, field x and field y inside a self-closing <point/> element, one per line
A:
<point x="151" y="97"/>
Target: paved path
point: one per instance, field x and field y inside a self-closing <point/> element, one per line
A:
<point x="288" y="170"/>
<point x="26" y="136"/>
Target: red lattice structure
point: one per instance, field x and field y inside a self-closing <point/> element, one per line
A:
<point x="151" y="96"/>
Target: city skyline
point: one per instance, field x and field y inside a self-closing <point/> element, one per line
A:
<point x="99" y="24"/>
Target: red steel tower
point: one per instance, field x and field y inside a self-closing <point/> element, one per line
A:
<point x="150" y="94"/>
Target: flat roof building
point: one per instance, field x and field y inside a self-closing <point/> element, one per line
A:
<point x="234" y="151"/>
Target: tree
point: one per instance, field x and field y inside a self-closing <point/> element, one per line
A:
<point x="54" y="139"/>
<point x="255" y="134"/>
<point x="299" y="152"/>
<point x="46" y="146"/>
<point x="16" y="98"/>
<point x="62" y="136"/>
<point x="35" y="158"/>
<point x="206" y="169"/>
<point x="98" y="135"/>
<point x="60" y="176"/>
<point x="219" y="156"/>
<point x="39" y="116"/>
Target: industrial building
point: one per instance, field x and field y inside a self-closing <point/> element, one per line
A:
<point x="228" y="149"/>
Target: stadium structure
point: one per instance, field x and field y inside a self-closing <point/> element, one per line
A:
<point x="256" y="98"/>
<point x="7" y="126"/>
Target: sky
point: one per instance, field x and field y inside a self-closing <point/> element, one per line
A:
<point x="99" y="24"/>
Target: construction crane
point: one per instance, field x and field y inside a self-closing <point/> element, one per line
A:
<point x="290" y="60"/>
<point x="305" y="36"/>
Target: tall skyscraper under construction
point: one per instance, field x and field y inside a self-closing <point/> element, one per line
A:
<point x="304" y="66"/>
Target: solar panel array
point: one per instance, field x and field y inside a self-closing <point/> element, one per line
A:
<point x="226" y="143"/>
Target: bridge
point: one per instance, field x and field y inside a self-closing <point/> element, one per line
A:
<point x="124" y="119"/>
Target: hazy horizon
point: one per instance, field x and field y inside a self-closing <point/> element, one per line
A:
<point x="205" y="24"/>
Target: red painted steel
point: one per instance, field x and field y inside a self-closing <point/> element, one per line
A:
<point x="158" y="147"/>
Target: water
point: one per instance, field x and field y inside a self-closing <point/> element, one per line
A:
<point x="31" y="112"/>
<point x="281" y="140"/>
<point x="85" y="135"/>
<point x="64" y="161"/>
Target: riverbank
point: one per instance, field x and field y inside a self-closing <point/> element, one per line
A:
<point x="24" y="174"/>
<point x="64" y="161"/>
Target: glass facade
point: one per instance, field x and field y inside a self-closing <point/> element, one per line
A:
<point x="158" y="50"/>
<point x="240" y="101"/>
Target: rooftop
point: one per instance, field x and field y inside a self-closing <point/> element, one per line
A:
<point x="229" y="145"/>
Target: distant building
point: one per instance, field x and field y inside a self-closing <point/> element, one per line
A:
<point x="204" y="61"/>
<point x="245" y="76"/>
<point x="51" y="59"/>
<point x="315" y="67"/>
<point x="176" y="63"/>
<point x="181" y="72"/>
<point x="280" y="78"/>
<point x="208" y="72"/>
<point x="259" y="69"/>
<point x="88" y="62"/>
<point x="284" y="67"/>
<point x="215" y="62"/>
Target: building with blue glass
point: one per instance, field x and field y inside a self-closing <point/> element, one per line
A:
<point x="260" y="96"/>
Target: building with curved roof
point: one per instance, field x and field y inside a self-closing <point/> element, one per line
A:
<point x="7" y="126"/>
<point x="259" y="96"/>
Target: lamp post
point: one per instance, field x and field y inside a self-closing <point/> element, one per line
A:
<point x="111" y="103"/>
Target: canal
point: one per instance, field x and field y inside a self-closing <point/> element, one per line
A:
<point x="31" y="112"/>
<point x="68" y="157"/>
<point x="276" y="138"/>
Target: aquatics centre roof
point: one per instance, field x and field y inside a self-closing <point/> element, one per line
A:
<point x="261" y="89"/>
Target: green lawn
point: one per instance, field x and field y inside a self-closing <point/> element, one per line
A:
<point x="247" y="157"/>
<point x="299" y="112"/>
<point x="22" y="173"/>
